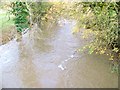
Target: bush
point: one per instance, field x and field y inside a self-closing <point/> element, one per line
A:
<point x="102" y="18"/>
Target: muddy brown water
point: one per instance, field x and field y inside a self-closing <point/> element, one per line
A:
<point x="46" y="60"/>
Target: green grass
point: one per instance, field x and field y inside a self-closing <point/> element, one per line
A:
<point x="5" y="22"/>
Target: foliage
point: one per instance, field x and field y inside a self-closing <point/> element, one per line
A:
<point x="44" y="11"/>
<point x="21" y="12"/>
<point x="102" y="19"/>
<point x="4" y="21"/>
<point x="38" y="11"/>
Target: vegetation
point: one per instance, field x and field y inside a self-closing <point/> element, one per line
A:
<point x="102" y="19"/>
<point x="42" y="12"/>
<point x="39" y="10"/>
<point x="4" y="21"/>
<point x="21" y="13"/>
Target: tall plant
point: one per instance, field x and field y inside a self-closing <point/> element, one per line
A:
<point x="21" y="13"/>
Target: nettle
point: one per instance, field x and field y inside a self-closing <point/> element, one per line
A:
<point x="21" y="13"/>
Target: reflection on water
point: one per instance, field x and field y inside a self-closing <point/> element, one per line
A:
<point x="27" y="68"/>
<point x="45" y="59"/>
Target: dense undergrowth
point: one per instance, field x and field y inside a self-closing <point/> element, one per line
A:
<point x="102" y="20"/>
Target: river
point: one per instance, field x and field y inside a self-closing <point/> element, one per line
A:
<point x="47" y="60"/>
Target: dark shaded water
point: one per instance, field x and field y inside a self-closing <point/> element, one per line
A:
<point x="46" y="60"/>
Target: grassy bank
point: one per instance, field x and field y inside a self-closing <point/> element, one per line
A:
<point x="7" y="28"/>
<point x="6" y="20"/>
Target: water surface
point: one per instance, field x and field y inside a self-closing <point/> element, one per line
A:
<point x="45" y="60"/>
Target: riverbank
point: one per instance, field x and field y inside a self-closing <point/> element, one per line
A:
<point x="7" y="31"/>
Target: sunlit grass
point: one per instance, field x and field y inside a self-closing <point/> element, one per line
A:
<point x="5" y="21"/>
